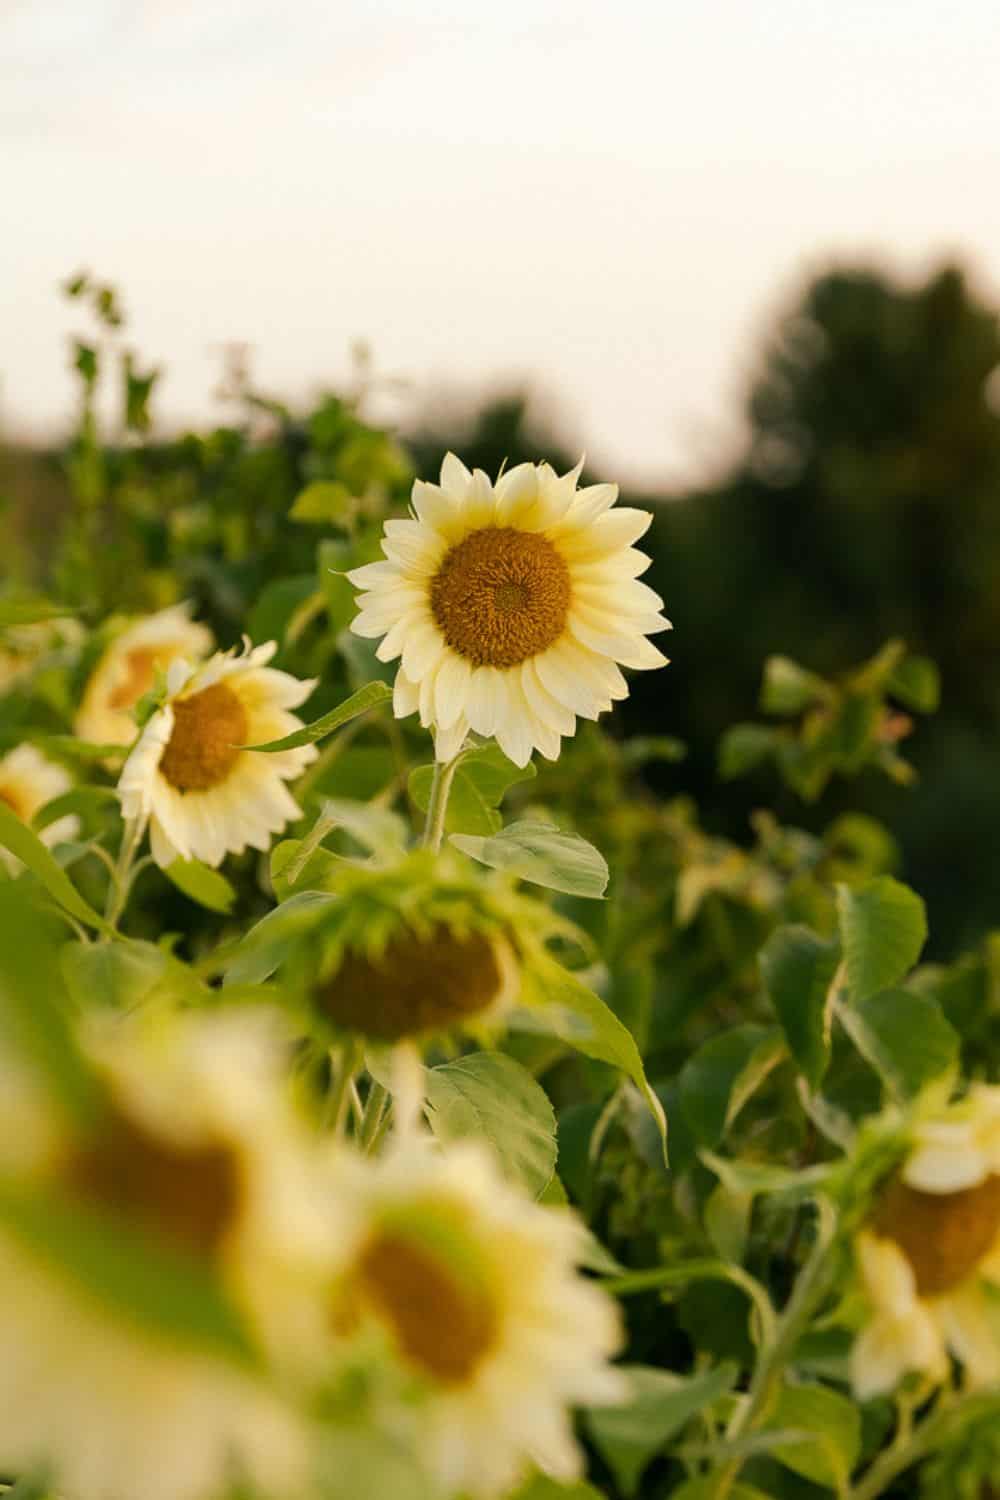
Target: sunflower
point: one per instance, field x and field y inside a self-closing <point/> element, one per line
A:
<point x="194" y="1154"/>
<point x="127" y="670"/>
<point x="203" y="794"/>
<point x="511" y="606"/>
<point x="27" y="783"/>
<point x="929" y="1256"/>
<point x="469" y="1293"/>
<point x="419" y="946"/>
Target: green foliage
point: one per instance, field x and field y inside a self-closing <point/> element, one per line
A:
<point x="542" y="854"/>
<point x="489" y="1096"/>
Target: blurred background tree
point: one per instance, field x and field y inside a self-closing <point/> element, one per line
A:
<point x="866" y="504"/>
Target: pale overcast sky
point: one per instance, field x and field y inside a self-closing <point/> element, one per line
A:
<point x="607" y="199"/>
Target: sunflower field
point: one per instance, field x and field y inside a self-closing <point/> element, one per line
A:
<point x="405" y="1095"/>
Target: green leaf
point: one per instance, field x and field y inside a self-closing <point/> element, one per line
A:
<point x="628" y="1437"/>
<point x="569" y="1009"/>
<point x="706" y="1487"/>
<point x="30" y="612"/>
<point x="727" y="1221"/>
<point x="834" y="1423"/>
<point x="538" y="852"/>
<point x="276" y="607"/>
<point x="717" y="1081"/>
<point x="207" y="887"/>
<point x="369" y="696"/>
<point x="541" y="1487"/>
<point x="905" y="1037"/>
<point x="789" y="689"/>
<point x="376" y="829"/>
<point x="68" y="745"/>
<point x="266" y="946"/>
<point x="744" y="747"/>
<point x="325" y="502"/>
<point x="150" y="1285"/>
<point x="916" y="683"/>
<point x="797" y="969"/>
<point x="22" y="841"/>
<point x="490" y="1096"/>
<point x="123" y="975"/>
<point x="883" y="926"/>
<point x="33" y="1010"/>
<point x="81" y="800"/>
<point x="482" y="777"/>
<point x="313" y="875"/>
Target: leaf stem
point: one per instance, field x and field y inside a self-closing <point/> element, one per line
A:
<point x="437" y="806"/>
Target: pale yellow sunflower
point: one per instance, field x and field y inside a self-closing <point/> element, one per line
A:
<point x="929" y="1256"/>
<point x="28" y="782"/>
<point x="127" y="670"/>
<point x="471" y="1292"/>
<point x="204" y="795"/>
<point x="194" y="1153"/>
<point x="511" y="605"/>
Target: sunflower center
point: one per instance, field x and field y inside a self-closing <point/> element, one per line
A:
<point x="500" y="596"/>
<point x="187" y="1195"/>
<point x="944" y="1236"/>
<point x="443" y="1324"/>
<point x="417" y="984"/>
<point x="138" y="673"/>
<point x="209" y="728"/>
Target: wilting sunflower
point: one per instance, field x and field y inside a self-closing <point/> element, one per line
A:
<point x="127" y="670"/>
<point x="28" y="781"/>
<point x="419" y="946"/>
<point x="191" y="1157"/>
<point x="511" y="606"/>
<point x="929" y="1256"/>
<point x="471" y="1292"/>
<point x="204" y="796"/>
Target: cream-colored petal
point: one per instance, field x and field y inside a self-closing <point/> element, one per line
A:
<point x="455" y="477"/>
<point x="405" y="696"/>
<point x="515" y="728"/>
<point x="451" y="688"/>
<point x="376" y="575"/>
<point x="448" y="742"/>
<point x="971" y="1333"/>
<point x="557" y="676"/>
<point x="544" y="706"/>
<point x="946" y="1158"/>
<point x="481" y="708"/>
<point x="516" y="494"/>
<point x="615" y="531"/>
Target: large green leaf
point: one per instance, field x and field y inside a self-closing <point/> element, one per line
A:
<point x="124" y="974"/>
<point x="540" y="853"/>
<point x="904" y="1036"/>
<point x="798" y="968"/>
<point x="268" y="944"/>
<point x="568" y="1008"/>
<point x="33" y="1010"/>
<point x="153" y="1287"/>
<point x="629" y="1436"/>
<point x="370" y="696"/>
<point x="320" y="863"/>
<point x="25" y="843"/>
<point x="207" y="887"/>
<point x="81" y="800"/>
<point x="834" y="1424"/>
<point x="883" y="926"/>
<point x="490" y="1096"/>
<point x="717" y="1081"/>
<point x="30" y="612"/>
<point x="481" y="778"/>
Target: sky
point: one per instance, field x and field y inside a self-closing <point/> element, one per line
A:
<point x="608" y="203"/>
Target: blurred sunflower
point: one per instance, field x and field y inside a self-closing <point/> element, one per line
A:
<point x="929" y="1256"/>
<point x="193" y="1161"/>
<point x="511" y="606"/>
<point x="28" y="782"/>
<point x="204" y="795"/>
<point x="128" y="668"/>
<point x="470" y="1292"/>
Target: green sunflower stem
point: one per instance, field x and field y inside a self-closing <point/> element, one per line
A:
<point x="942" y="1425"/>
<point x="437" y="807"/>
<point x="344" y="1067"/>
<point x="122" y="875"/>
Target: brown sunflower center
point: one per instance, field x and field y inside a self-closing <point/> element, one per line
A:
<point x="187" y="1195"/>
<point x="209" y="728"/>
<point x="442" y="1324"/>
<point x="944" y="1236"/>
<point x="417" y="984"/>
<point x="500" y="596"/>
<point x="138" y="673"/>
